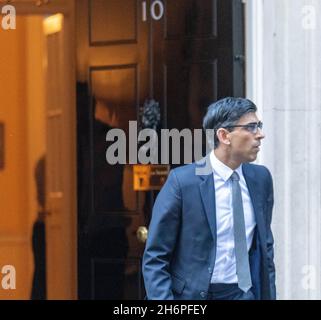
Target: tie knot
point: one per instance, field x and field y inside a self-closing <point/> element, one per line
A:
<point x="235" y="176"/>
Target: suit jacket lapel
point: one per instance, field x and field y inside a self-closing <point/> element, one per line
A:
<point x="207" y="191"/>
<point x="253" y="188"/>
<point x="208" y="198"/>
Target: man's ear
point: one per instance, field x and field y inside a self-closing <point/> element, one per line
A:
<point x="223" y="136"/>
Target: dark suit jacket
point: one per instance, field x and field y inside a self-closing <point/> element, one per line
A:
<point x="180" y="251"/>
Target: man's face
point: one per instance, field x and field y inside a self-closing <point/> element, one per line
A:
<point x="244" y="144"/>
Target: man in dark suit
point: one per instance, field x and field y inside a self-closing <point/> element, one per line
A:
<point x="210" y="233"/>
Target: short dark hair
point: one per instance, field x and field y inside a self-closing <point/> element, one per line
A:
<point x="226" y="112"/>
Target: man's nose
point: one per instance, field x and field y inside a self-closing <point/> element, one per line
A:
<point x="260" y="134"/>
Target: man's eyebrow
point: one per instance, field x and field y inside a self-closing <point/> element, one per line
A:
<point x="246" y="124"/>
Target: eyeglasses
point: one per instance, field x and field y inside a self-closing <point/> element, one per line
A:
<point x="251" y="127"/>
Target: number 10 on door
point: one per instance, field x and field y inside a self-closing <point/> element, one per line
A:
<point x="156" y="10"/>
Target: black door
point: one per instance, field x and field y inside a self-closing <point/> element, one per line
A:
<point x="184" y="54"/>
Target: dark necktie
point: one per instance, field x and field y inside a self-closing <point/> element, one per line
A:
<point x="241" y="253"/>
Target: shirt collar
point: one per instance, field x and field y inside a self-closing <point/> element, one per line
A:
<point x="222" y="169"/>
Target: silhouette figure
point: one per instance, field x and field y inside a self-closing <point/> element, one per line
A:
<point x="38" y="291"/>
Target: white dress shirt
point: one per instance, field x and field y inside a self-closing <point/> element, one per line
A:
<point x="225" y="262"/>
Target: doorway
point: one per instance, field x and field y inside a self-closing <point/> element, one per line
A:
<point x="39" y="119"/>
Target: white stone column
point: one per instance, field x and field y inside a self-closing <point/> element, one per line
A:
<point x="285" y="82"/>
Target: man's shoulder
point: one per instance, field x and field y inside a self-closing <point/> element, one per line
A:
<point x="257" y="169"/>
<point x="187" y="169"/>
<point x="185" y="173"/>
<point x="188" y="173"/>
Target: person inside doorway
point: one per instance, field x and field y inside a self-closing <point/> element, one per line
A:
<point x="38" y="291"/>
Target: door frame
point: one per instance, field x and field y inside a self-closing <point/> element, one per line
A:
<point x="255" y="42"/>
<point x="254" y="26"/>
<point x="67" y="8"/>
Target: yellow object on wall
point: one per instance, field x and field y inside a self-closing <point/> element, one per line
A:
<point x="149" y="176"/>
